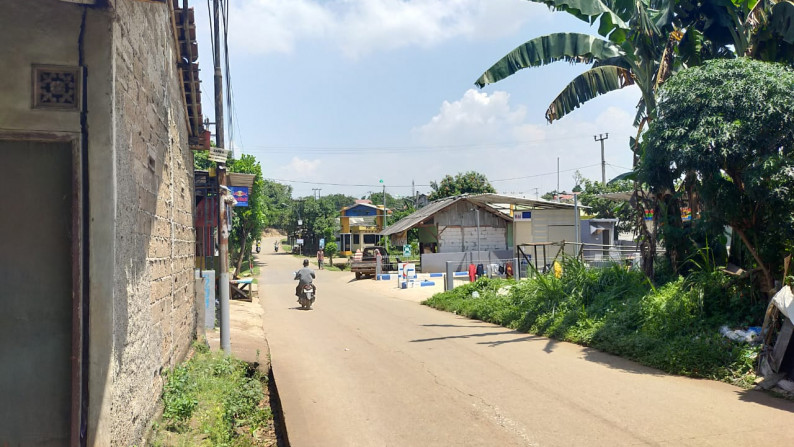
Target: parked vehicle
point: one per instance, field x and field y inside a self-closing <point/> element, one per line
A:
<point x="366" y="266"/>
<point x="306" y="299"/>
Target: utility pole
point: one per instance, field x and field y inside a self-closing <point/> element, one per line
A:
<point x="601" y="138"/>
<point x="316" y="193"/>
<point x="219" y="136"/>
<point x="558" y="179"/>
<point x="384" y="206"/>
<point x="223" y="231"/>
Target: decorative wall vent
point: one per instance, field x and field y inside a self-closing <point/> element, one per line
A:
<point x="56" y="87"/>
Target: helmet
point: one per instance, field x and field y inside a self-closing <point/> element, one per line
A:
<point x="305" y="262"/>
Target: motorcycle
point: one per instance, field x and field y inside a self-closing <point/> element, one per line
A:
<point x="275" y="248"/>
<point x="258" y="246"/>
<point x="306" y="298"/>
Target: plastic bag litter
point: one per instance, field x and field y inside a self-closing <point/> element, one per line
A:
<point x="751" y="335"/>
<point x="475" y="294"/>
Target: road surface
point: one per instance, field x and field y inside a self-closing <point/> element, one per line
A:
<point x="369" y="366"/>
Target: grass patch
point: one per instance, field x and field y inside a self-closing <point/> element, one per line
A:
<point x="334" y="267"/>
<point x="672" y="326"/>
<point x="214" y="400"/>
<point x="246" y="272"/>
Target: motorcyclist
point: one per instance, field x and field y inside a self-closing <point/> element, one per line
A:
<point x="305" y="276"/>
<point x="275" y="246"/>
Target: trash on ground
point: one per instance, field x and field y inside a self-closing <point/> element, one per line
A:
<point x="751" y="335"/>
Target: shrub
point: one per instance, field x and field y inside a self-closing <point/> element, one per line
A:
<point x="672" y="326"/>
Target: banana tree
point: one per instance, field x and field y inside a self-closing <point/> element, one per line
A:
<point x="642" y="42"/>
<point x="628" y="51"/>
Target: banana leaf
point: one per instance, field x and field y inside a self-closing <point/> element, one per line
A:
<point x="782" y="21"/>
<point x="543" y="50"/>
<point x="588" y="10"/>
<point x="587" y="86"/>
<point x="631" y="175"/>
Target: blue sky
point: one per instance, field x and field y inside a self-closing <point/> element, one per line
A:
<point x="335" y="93"/>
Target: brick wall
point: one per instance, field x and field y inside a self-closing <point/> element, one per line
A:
<point x="154" y="310"/>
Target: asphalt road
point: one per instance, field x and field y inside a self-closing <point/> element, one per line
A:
<point x="369" y="366"/>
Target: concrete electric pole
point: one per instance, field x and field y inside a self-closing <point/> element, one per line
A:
<point x="601" y="138"/>
<point x="223" y="231"/>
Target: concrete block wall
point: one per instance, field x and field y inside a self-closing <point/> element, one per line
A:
<point x="154" y="311"/>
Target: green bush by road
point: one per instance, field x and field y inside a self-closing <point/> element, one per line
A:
<point x="673" y="325"/>
<point x="213" y="400"/>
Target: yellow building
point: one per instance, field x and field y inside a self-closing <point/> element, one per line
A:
<point x="360" y="226"/>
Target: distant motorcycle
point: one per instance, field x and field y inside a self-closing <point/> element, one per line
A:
<point x="275" y="248"/>
<point x="258" y="246"/>
<point x="306" y="298"/>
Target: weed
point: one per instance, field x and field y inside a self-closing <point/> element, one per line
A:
<point x="215" y="397"/>
<point x="671" y="325"/>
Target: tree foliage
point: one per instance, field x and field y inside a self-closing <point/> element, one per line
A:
<point x="318" y="217"/>
<point x="278" y="198"/>
<point x="462" y="183"/>
<point x="330" y="250"/>
<point x="248" y="222"/>
<point x="731" y="124"/>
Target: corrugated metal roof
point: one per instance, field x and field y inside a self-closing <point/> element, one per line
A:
<point x="432" y="208"/>
<point x="418" y="216"/>
<point x="502" y="201"/>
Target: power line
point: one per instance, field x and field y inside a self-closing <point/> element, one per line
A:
<point x="621" y="167"/>
<point x="407" y="148"/>
<point x="544" y="174"/>
<point x="338" y="184"/>
<point x="410" y="186"/>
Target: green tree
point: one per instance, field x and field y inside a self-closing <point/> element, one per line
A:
<point x="247" y="222"/>
<point x="391" y="201"/>
<point x="201" y="161"/>
<point x="644" y="42"/>
<point x="463" y="183"/>
<point x="634" y="48"/>
<point x="331" y="249"/>
<point x="731" y="124"/>
<point x="319" y="217"/>
<point x="278" y="200"/>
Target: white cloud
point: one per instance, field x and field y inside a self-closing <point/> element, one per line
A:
<point x="486" y="133"/>
<point x="476" y="118"/>
<point x="299" y="168"/>
<point x="358" y="27"/>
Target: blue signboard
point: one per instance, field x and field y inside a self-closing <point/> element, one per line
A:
<point x="240" y="194"/>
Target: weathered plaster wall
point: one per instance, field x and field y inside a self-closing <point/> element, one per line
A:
<point x="153" y="298"/>
<point x="43" y="32"/>
<point x="140" y="181"/>
<point x="48" y="32"/>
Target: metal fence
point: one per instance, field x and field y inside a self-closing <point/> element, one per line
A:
<point x="541" y="256"/>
